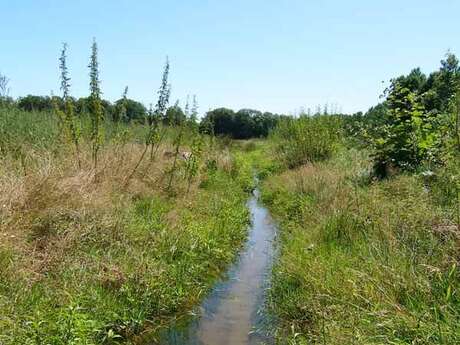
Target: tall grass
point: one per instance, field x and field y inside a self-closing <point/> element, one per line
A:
<point x="87" y="263"/>
<point x="360" y="262"/>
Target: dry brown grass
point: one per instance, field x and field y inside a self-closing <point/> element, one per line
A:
<point x="44" y="212"/>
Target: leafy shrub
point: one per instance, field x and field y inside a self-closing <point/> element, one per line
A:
<point x="407" y="138"/>
<point x="306" y="139"/>
<point x="416" y="125"/>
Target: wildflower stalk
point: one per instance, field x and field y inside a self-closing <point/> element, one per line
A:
<point x="97" y="114"/>
<point x="68" y="123"/>
<point x="155" y="135"/>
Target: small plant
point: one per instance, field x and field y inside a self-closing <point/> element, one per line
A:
<point x="120" y="116"/>
<point x="96" y="110"/>
<point x="177" y="144"/>
<point x="121" y="111"/>
<point x="192" y="164"/>
<point x="193" y="119"/>
<point x="155" y="133"/>
<point x="4" y="89"/>
<point x="68" y="123"/>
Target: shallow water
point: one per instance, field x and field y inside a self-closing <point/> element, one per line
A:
<point x="232" y="313"/>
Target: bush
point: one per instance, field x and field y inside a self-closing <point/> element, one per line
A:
<point x="306" y="139"/>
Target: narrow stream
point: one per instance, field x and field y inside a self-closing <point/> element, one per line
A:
<point x="233" y="312"/>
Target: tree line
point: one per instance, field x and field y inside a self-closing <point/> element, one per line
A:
<point x="242" y="124"/>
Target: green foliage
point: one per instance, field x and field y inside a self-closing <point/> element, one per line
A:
<point x="177" y="142"/>
<point x="193" y="161"/>
<point x="96" y="109"/>
<point x="244" y="124"/>
<point x="68" y="123"/>
<point x="4" y="89"/>
<point x="121" y="111"/>
<point x="163" y="93"/>
<point x="306" y="139"/>
<point x="35" y="103"/>
<point x="415" y="126"/>
<point x="407" y="138"/>
<point x="135" y="111"/>
<point x="174" y="116"/>
<point x="32" y="130"/>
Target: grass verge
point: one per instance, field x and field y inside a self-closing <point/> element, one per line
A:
<point x="363" y="262"/>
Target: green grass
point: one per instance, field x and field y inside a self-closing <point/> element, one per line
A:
<point x="362" y="262"/>
<point x="85" y="262"/>
<point x="126" y="270"/>
<point x="93" y="263"/>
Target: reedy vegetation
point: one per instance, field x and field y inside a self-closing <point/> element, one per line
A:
<point x="361" y="260"/>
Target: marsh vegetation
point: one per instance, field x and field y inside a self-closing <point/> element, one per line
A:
<point x="116" y="219"/>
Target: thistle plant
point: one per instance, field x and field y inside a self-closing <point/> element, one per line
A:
<point x="187" y="108"/>
<point x="122" y="111"/>
<point x="177" y="143"/>
<point x="96" y="110"/>
<point x="192" y="165"/>
<point x="121" y="115"/>
<point x="194" y="112"/>
<point x="4" y="89"/>
<point x="68" y="123"/>
<point x="155" y="133"/>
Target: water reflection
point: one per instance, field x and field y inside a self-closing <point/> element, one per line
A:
<point x="232" y="313"/>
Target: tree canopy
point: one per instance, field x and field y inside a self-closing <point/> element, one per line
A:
<point x="243" y="124"/>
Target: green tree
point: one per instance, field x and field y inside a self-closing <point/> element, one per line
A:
<point x="407" y="137"/>
<point x="174" y="115"/>
<point x="219" y="121"/>
<point x="244" y="124"/>
<point x="439" y="88"/>
<point x="35" y="103"/>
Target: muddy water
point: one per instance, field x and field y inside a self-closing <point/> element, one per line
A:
<point x="233" y="313"/>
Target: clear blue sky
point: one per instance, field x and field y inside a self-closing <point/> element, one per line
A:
<point x="275" y="55"/>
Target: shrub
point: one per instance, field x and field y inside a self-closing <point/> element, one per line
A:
<point x="306" y="139"/>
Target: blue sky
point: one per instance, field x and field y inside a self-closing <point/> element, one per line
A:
<point x="276" y="55"/>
